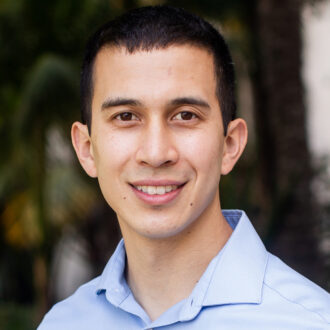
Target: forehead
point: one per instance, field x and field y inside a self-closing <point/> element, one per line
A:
<point x="155" y="74"/>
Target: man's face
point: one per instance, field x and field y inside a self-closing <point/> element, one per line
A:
<point x="157" y="137"/>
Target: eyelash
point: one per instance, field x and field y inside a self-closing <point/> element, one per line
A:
<point x="134" y="117"/>
<point x="193" y="115"/>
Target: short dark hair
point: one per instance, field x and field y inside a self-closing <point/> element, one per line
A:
<point x="157" y="27"/>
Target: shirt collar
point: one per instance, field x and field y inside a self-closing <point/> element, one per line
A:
<point x="112" y="281"/>
<point x="240" y="267"/>
<point x="235" y="275"/>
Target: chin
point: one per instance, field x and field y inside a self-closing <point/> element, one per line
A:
<point x="161" y="230"/>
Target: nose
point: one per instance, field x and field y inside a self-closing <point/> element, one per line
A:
<point x="157" y="146"/>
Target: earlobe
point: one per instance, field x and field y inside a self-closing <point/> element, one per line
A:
<point x="84" y="150"/>
<point x="235" y="142"/>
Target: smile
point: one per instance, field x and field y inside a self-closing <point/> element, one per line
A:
<point x="157" y="190"/>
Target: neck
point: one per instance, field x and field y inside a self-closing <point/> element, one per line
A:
<point x="162" y="272"/>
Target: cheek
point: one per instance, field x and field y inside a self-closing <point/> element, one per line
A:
<point x="113" y="151"/>
<point x="203" y="151"/>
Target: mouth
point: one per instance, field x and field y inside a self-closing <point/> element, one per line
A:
<point x="157" y="193"/>
<point x="157" y="190"/>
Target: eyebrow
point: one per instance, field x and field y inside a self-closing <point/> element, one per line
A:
<point x="119" y="101"/>
<point x="190" y="101"/>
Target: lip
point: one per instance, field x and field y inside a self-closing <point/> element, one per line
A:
<point x="160" y="182"/>
<point x="157" y="199"/>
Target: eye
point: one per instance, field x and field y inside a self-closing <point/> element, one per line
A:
<point x="184" y="115"/>
<point x="126" y="116"/>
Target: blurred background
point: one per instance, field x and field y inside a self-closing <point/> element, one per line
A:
<point x="57" y="232"/>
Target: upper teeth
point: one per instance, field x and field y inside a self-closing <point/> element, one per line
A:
<point x="156" y="190"/>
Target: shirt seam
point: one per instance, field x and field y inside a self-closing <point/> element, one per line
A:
<point x="295" y="302"/>
<point x="125" y="298"/>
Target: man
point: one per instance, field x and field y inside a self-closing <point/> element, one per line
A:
<point x="158" y="131"/>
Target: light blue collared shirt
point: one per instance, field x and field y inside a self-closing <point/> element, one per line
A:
<point x="244" y="287"/>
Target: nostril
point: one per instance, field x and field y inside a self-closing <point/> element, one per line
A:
<point x="168" y="162"/>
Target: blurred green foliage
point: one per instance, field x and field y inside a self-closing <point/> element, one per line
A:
<point x="16" y="317"/>
<point x="41" y="191"/>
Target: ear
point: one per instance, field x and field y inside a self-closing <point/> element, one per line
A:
<point x="83" y="147"/>
<point x="235" y="142"/>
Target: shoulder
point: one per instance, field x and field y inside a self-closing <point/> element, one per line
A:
<point x="69" y="312"/>
<point x="295" y="293"/>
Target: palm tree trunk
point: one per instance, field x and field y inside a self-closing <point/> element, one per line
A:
<point x="284" y="157"/>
